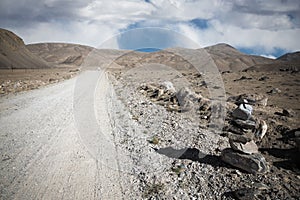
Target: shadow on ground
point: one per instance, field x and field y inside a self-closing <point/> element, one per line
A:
<point x="192" y="154"/>
<point x="289" y="158"/>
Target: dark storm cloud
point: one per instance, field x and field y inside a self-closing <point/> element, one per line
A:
<point x="26" y="12"/>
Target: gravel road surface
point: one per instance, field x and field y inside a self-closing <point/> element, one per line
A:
<point x="45" y="151"/>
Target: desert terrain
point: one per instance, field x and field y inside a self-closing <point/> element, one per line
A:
<point x="83" y="123"/>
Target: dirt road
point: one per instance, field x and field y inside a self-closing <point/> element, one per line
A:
<point x="48" y="153"/>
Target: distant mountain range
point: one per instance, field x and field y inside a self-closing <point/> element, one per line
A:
<point x="14" y="54"/>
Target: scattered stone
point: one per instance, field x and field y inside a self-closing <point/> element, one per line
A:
<point x="247" y="148"/>
<point x="260" y="186"/>
<point x="163" y="94"/>
<point x="242" y="78"/>
<point x="52" y="80"/>
<point x="292" y="135"/>
<point x="154" y="140"/>
<point x="74" y="70"/>
<point x="274" y="91"/>
<point x="249" y="193"/>
<point x="185" y="93"/>
<point x="252" y="99"/>
<point x="263" y="78"/>
<point x="245" y="193"/>
<point x="167" y="85"/>
<point x="282" y="129"/>
<point x="243" y="112"/>
<point x="185" y="98"/>
<point x="288" y="113"/>
<point x="262" y="102"/>
<point x="254" y="163"/>
<point x="179" y="169"/>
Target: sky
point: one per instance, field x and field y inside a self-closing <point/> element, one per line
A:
<point x="262" y="27"/>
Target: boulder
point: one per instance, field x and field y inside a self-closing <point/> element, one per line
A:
<point x="248" y="147"/>
<point x="252" y="163"/>
<point x="243" y="112"/>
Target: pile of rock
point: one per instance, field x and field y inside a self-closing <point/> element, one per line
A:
<point x="242" y="135"/>
<point x="166" y="95"/>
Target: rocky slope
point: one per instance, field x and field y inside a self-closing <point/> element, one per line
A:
<point x="287" y="62"/>
<point x="227" y="58"/>
<point x="15" y="55"/>
<point x="193" y="162"/>
<point x="60" y="53"/>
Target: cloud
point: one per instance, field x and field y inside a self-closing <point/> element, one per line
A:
<point x="264" y="25"/>
<point x="240" y="37"/>
<point x="268" y="56"/>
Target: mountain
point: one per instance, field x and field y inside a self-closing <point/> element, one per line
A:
<point x="286" y="62"/>
<point x="227" y="58"/>
<point x="61" y="53"/>
<point x="291" y="57"/>
<point x="64" y="54"/>
<point x="15" y="55"/>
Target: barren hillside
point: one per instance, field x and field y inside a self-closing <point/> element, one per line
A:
<point x="60" y="53"/>
<point x="15" y="55"/>
<point x="227" y="58"/>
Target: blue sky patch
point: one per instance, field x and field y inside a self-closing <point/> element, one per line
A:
<point x="200" y="23"/>
<point x="260" y="51"/>
<point x="148" y="50"/>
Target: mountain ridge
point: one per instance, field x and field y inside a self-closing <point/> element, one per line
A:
<point x="14" y="53"/>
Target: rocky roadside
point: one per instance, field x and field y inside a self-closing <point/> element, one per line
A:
<point x="24" y="80"/>
<point x="172" y="154"/>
